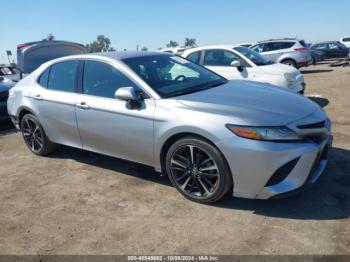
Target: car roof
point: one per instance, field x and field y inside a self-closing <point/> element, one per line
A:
<point x="280" y="40"/>
<point x="112" y="55"/>
<point x="224" y="46"/>
<point x="325" y="42"/>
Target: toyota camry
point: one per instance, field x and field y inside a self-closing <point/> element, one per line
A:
<point x="207" y="134"/>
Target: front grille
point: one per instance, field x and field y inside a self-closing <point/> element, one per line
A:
<point x="4" y="96"/>
<point x="282" y="173"/>
<point x="313" y="125"/>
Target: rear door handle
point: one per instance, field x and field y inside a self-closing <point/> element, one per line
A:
<point x="38" y="97"/>
<point x="83" y="105"/>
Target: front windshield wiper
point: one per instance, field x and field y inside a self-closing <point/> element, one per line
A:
<point x="184" y="92"/>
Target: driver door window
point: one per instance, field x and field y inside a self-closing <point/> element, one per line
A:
<point x="219" y="58"/>
<point x="102" y="80"/>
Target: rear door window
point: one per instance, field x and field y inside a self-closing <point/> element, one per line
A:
<point x="62" y="76"/>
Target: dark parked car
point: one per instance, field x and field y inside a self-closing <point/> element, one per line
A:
<point x="4" y="93"/>
<point x="317" y="56"/>
<point x="333" y="49"/>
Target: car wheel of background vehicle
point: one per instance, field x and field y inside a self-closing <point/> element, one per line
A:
<point x="289" y="62"/>
<point x="314" y="60"/>
<point x="198" y="170"/>
<point x="34" y="136"/>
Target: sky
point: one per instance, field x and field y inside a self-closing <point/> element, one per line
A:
<point x="152" y="23"/>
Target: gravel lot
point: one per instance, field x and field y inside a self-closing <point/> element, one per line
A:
<point x="76" y="202"/>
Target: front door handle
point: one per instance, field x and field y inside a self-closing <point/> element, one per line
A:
<point x="83" y="105"/>
<point x="38" y="97"/>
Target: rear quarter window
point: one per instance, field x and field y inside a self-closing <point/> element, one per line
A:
<point x="43" y="79"/>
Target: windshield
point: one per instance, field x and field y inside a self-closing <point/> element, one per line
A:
<point x="255" y="57"/>
<point x="172" y="75"/>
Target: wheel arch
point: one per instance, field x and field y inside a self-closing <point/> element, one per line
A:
<point x="22" y="111"/>
<point x="175" y="137"/>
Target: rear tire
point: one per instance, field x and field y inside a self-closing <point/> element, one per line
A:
<point x="34" y="136"/>
<point x="289" y="62"/>
<point x="198" y="170"/>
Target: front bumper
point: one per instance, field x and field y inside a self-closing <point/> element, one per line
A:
<point x="301" y="176"/>
<point x="253" y="163"/>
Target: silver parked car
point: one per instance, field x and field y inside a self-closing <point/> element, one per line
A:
<point x="209" y="135"/>
<point x="294" y="52"/>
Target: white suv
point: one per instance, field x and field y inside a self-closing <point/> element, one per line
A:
<point x="345" y="41"/>
<point x="239" y="62"/>
<point x="294" y="52"/>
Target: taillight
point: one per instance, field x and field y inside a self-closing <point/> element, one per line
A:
<point x="303" y="49"/>
<point x="21" y="46"/>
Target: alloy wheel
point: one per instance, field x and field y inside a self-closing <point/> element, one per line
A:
<point x="32" y="135"/>
<point x="195" y="171"/>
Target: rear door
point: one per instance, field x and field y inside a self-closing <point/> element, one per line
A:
<point x="111" y="126"/>
<point x="273" y="50"/>
<point x="54" y="102"/>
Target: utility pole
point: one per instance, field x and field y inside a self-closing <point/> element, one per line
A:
<point x="9" y="53"/>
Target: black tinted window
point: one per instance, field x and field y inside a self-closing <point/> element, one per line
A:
<point x="101" y="79"/>
<point x="346" y="39"/>
<point x="219" y="58"/>
<point x="62" y="76"/>
<point x="43" y="79"/>
<point x="277" y="46"/>
<point x="195" y="57"/>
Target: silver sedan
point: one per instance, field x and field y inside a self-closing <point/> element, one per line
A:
<point x="208" y="135"/>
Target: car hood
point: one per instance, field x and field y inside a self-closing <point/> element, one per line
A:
<point x="4" y="86"/>
<point x="251" y="103"/>
<point x="279" y="69"/>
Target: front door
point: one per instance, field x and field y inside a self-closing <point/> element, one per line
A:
<point x="220" y="61"/>
<point x="111" y="126"/>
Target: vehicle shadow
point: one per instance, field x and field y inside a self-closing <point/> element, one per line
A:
<point x="327" y="199"/>
<point x="122" y="167"/>
<point x="316" y="71"/>
<point x="7" y="128"/>
<point x="322" y="102"/>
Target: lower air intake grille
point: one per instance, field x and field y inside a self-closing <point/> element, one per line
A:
<point x="282" y="173"/>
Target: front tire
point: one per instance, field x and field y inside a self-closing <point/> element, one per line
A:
<point x="198" y="170"/>
<point x="35" y="137"/>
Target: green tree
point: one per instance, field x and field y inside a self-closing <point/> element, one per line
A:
<point x="190" y="42"/>
<point x="101" y="44"/>
<point x="144" y="48"/>
<point x="172" y="44"/>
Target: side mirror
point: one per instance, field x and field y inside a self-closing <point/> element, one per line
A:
<point x="127" y="94"/>
<point x="238" y="65"/>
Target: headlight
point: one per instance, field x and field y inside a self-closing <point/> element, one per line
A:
<point x="289" y="77"/>
<point x="264" y="133"/>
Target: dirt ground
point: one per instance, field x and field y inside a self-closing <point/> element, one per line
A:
<point x="76" y="202"/>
